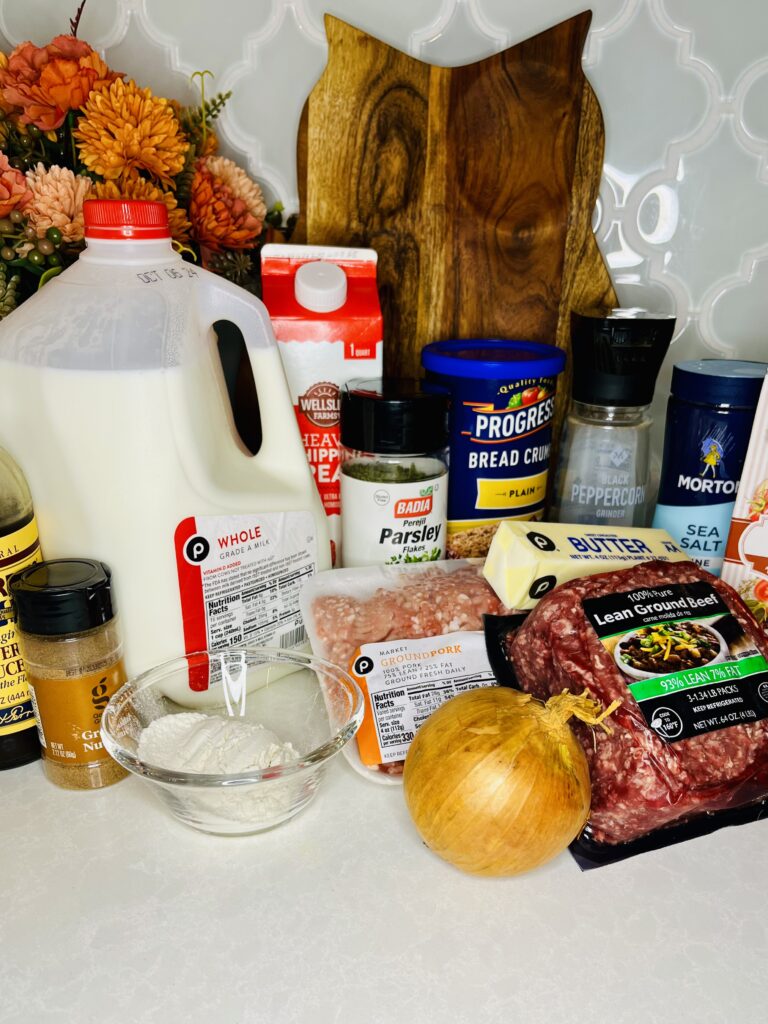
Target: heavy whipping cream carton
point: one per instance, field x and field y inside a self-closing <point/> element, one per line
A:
<point x="326" y="316"/>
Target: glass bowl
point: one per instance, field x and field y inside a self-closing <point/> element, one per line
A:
<point x="311" y="703"/>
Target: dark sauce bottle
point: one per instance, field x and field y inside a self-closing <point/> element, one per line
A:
<point x="19" y="547"/>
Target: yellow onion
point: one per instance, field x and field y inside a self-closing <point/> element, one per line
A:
<point x="495" y="780"/>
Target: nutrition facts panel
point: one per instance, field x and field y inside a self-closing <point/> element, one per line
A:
<point x="407" y="680"/>
<point x="399" y="713"/>
<point x="241" y="576"/>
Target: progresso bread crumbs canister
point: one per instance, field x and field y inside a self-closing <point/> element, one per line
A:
<point x="502" y="396"/>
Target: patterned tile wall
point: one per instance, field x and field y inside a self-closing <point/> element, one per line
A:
<point x="683" y="212"/>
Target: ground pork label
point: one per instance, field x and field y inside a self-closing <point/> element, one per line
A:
<point x="687" y="661"/>
<point x="404" y="681"/>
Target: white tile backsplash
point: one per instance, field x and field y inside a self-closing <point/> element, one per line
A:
<point x="683" y="85"/>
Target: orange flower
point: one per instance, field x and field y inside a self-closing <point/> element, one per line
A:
<point x="140" y="188"/>
<point x="14" y="194"/>
<point x="125" y="130"/>
<point x="46" y="82"/>
<point x="226" y="208"/>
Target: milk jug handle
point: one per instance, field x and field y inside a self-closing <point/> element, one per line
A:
<point x="281" y="445"/>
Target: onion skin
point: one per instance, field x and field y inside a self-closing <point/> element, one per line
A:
<point x="496" y="782"/>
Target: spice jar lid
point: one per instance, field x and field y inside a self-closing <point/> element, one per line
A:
<point x="63" y="595"/>
<point x="392" y="416"/>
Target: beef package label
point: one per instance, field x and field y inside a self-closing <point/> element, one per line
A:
<point x="685" y="658"/>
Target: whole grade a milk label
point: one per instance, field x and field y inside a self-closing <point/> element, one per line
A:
<point x="240" y="578"/>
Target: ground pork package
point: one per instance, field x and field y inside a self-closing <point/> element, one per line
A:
<point x="412" y="636"/>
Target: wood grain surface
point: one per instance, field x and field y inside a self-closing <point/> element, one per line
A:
<point x="475" y="185"/>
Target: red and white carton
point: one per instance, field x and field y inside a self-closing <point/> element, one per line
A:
<point x="746" y="552"/>
<point x="325" y="312"/>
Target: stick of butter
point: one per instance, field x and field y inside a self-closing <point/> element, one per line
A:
<point x="526" y="560"/>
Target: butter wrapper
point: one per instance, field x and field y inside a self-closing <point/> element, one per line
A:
<point x="526" y="560"/>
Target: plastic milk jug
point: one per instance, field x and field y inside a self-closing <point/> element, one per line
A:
<point x="114" y="403"/>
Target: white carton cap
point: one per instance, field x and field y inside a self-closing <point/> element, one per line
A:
<point x="320" y="286"/>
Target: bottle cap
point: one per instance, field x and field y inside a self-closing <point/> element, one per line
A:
<point x="63" y="595"/>
<point x="392" y="416"/>
<point x="617" y="356"/>
<point x="125" y="218"/>
<point x="719" y="381"/>
<point x="493" y="359"/>
<point x="320" y="286"/>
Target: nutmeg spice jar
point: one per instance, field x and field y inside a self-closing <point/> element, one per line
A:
<point x="72" y="648"/>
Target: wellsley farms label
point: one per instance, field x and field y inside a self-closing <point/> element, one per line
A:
<point x="685" y="658"/>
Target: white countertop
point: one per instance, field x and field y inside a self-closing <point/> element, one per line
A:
<point x="114" y="913"/>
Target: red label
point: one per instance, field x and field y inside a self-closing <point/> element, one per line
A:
<point x="359" y="350"/>
<point x="320" y="404"/>
<point x="188" y="552"/>
<point x="753" y="546"/>
<point x="407" y="508"/>
<point x="322" y="447"/>
<point x="738" y="526"/>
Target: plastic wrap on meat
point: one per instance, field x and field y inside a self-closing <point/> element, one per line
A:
<point x="640" y="782"/>
<point x="419" y="601"/>
<point x="419" y="605"/>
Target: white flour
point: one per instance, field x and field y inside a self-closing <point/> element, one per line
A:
<point x="193" y="742"/>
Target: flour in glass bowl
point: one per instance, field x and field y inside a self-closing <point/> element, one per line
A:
<point x="193" y="742"/>
<point x="209" y="744"/>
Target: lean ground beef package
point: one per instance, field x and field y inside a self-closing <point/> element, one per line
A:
<point x="640" y="782"/>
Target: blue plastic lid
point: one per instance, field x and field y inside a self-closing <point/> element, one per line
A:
<point x="492" y="359"/>
<point x="719" y="381"/>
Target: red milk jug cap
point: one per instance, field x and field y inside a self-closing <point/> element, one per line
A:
<point x="125" y="218"/>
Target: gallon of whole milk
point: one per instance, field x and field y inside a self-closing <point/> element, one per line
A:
<point x="114" y="403"/>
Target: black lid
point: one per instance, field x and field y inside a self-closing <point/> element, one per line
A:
<point x="64" y="595"/>
<point x="392" y="416"/>
<point x="616" y="357"/>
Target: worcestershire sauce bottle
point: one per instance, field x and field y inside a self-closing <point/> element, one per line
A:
<point x="19" y="547"/>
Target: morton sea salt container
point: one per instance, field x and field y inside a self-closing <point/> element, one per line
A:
<point x="502" y="396"/>
<point x="709" y="419"/>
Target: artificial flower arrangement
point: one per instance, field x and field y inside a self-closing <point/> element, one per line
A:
<point x="71" y="128"/>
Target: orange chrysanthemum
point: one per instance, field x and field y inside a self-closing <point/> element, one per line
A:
<point x="140" y="188"/>
<point x="226" y="208"/>
<point x="125" y="129"/>
<point x="46" y="82"/>
<point x="57" y="201"/>
<point x="14" y="194"/>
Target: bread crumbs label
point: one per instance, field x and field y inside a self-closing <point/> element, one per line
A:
<point x="404" y="681"/>
<point x="685" y="658"/>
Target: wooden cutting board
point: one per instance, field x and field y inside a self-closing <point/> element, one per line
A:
<point x="475" y="185"/>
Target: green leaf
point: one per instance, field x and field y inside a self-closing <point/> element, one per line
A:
<point x="49" y="273"/>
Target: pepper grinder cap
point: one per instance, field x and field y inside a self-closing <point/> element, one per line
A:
<point x="617" y="356"/>
<point x="63" y="595"/>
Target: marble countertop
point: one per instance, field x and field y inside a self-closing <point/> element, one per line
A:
<point x="114" y="913"/>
